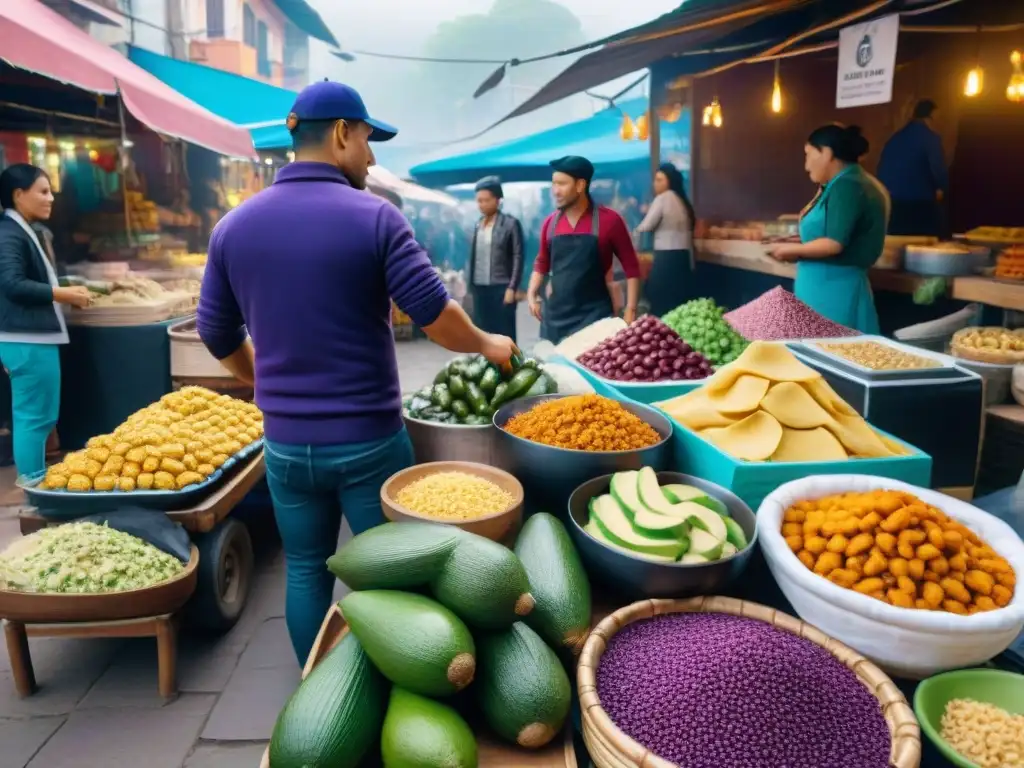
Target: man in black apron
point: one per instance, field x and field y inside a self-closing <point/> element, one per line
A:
<point x="578" y="246"/>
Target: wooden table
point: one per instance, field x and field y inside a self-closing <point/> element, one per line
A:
<point x="200" y="519"/>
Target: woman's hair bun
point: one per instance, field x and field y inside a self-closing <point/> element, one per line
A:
<point x="858" y="145"/>
<point x="845" y="141"/>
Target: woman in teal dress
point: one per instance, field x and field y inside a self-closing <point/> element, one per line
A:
<point x="842" y="230"/>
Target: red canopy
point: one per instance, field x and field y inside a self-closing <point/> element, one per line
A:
<point x="40" y="40"/>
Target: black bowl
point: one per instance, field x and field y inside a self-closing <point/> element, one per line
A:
<point x="549" y="475"/>
<point x="633" y="576"/>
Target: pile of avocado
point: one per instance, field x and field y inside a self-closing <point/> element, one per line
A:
<point x="663" y="523"/>
<point x="470" y="389"/>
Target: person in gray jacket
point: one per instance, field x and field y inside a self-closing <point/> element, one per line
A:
<point x="495" y="262"/>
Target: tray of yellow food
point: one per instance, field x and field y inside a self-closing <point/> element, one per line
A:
<point x="168" y="455"/>
<point x="992" y="344"/>
<point x="994" y="236"/>
<point x="1010" y="263"/>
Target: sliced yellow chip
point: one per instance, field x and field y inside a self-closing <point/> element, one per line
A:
<point x="828" y="398"/>
<point x="754" y="438"/>
<point x="695" y="411"/>
<point x="742" y="397"/>
<point x="769" y="360"/>
<point x="858" y="437"/>
<point x="897" y="449"/>
<point x="794" y="407"/>
<point x="816" y="444"/>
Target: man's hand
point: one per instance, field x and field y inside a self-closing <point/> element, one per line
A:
<point x="498" y="349"/>
<point x="510" y="296"/>
<point x="534" y="303"/>
<point x="76" y="295"/>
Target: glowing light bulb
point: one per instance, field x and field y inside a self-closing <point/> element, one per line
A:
<point x="777" y="97"/>
<point x="974" y="83"/>
<point x="1015" y="90"/>
<point x="628" y="130"/>
<point x="642" y="128"/>
<point x="716" y="113"/>
<point x="706" y="119"/>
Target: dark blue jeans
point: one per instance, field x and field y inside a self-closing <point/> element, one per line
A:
<point x="311" y="485"/>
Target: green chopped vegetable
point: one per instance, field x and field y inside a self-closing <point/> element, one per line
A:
<point x="84" y="558"/>
<point x="701" y="325"/>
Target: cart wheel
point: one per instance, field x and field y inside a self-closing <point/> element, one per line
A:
<point x="225" y="576"/>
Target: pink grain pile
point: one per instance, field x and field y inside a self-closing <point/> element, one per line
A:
<point x="779" y="315"/>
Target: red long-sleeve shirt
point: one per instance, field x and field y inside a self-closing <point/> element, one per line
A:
<point x="613" y="240"/>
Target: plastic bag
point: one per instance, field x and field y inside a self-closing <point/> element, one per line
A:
<point x="149" y="525"/>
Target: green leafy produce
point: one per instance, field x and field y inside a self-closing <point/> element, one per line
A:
<point x="422" y="733"/>
<point x="523" y="691"/>
<point x="335" y="714"/>
<point x="416" y="643"/>
<point x="84" y="558"/>
<point x="702" y="326"/>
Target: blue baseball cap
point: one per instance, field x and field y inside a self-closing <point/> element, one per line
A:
<point x="326" y="100"/>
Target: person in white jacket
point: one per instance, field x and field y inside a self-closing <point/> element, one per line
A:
<point x="672" y="220"/>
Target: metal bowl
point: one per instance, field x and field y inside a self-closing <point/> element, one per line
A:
<point x="433" y="441"/>
<point x="634" y="577"/>
<point x="496" y="526"/>
<point x="549" y="475"/>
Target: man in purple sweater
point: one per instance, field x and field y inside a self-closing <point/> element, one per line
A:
<point x="309" y="266"/>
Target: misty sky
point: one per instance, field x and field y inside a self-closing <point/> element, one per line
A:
<point x="402" y="26"/>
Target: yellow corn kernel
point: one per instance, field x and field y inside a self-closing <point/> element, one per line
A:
<point x="932" y="594"/>
<point x="899" y="567"/>
<point x="815" y="544"/>
<point x="958" y="563"/>
<point x="955" y="590"/>
<point x="916" y="569"/>
<point x="900" y="598"/>
<point x="897" y="521"/>
<point x="927" y="552"/>
<point x="870" y="521"/>
<point x="887" y="543"/>
<point x="838" y="543"/>
<point x="792" y="529"/>
<point x="980" y="582"/>
<point x="954" y="607"/>
<point x="794" y="515"/>
<point x="1001" y="596"/>
<point x="806" y="558"/>
<point x="985" y="603"/>
<point x="939" y="565"/>
<point x="867" y="586"/>
<point x="859" y="544"/>
<point x="907" y="584"/>
<point x="795" y="543"/>
<point x="856" y="564"/>
<point x="876" y="563"/>
<point x="844" y="578"/>
<point x="827" y="562"/>
<point x="935" y="536"/>
<point x="954" y="540"/>
<point x="994" y="565"/>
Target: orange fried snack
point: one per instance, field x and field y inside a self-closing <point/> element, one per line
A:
<point x="583" y="423"/>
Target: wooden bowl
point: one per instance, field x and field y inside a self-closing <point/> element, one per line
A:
<point x="497" y="526"/>
<point x="41" y="608"/>
<point x="609" y="747"/>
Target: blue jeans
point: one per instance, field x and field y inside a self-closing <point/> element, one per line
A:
<point x="34" y="370"/>
<point x="311" y="485"/>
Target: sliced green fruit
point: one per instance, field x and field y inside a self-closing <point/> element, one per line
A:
<point x="484" y="583"/>
<point x="692" y="558"/>
<point x="523" y="691"/>
<point x="728" y="549"/>
<point x="703" y="518"/>
<point x="394" y="555"/>
<point x="558" y="582"/>
<point x="335" y="714"/>
<point x="705" y="544"/>
<point x="677" y="492"/>
<point x="647" y="523"/>
<point x="596" y="533"/>
<point x="422" y="733"/>
<point x="734" y="533"/>
<point x="415" y="642"/>
<point x="612" y="521"/>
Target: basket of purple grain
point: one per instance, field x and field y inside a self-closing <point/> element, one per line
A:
<point x="715" y="682"/>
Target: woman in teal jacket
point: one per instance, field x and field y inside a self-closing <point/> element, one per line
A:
<point x="842" y="230"/>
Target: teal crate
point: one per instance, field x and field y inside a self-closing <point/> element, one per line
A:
<point x="640" y="392"/>
<point x="753" y="480"/>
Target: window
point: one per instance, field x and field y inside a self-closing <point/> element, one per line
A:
<point x="214" y="18"/>
<point x="262" y="49"/>
<point x="248" y="26"/>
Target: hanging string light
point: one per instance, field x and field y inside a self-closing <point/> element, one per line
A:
<point x="777" y="91"/>
<point x="1015" y="89"/>
<point x="974" y="82"/>
<point x="642" y="128"/>
<point x="628" y="130"/>
<point x="712" y="115"/>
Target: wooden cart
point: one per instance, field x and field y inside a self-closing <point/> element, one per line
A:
<point x="560" y="753"/>
<point x="222" y="579"/>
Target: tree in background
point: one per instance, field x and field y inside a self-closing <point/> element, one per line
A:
<point x="511" y="28"/>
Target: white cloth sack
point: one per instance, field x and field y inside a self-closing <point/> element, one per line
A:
<point x="905" y="642"/>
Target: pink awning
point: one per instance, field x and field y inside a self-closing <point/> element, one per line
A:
<point x="40" y="40"/>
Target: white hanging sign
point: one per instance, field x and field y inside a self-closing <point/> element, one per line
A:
<point x="867" y="62"/>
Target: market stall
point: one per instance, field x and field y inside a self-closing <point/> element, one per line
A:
<point x="852" y="584"/>
<point x="132" y="534"/>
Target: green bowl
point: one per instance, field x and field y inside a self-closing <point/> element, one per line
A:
<point x="991" y="686"/>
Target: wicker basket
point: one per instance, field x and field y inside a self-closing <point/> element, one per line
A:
<point x="611" y="748"/>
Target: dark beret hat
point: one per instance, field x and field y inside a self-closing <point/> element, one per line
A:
<point x="575" y="166"/>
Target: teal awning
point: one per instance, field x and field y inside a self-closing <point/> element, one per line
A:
<point x="260" y="107"/>
<point x="526" y="159"/>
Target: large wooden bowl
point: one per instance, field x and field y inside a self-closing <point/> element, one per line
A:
<point x="609" y="747"/>
<point x="498" y="526"/>
<point x="166" y="597"/>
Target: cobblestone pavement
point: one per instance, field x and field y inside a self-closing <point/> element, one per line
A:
<point x="98" y="706"/>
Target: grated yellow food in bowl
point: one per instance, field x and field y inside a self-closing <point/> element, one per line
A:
<point x="985" y="734"/>
<point x="454" y="496"/>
